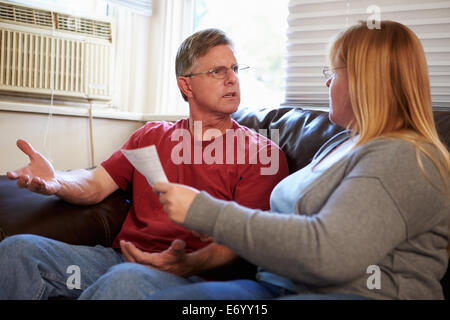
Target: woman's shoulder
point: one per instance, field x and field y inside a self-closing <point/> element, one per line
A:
<point x="387" y="150"/>
<point x="396" y="160"/>
<point x="388" y="144"/>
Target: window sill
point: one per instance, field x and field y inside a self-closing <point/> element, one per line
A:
<point x="104" y="113"/>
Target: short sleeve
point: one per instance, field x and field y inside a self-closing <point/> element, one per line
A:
<point x="117" y="165"/>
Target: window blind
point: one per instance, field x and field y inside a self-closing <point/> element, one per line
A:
<point x="312" y="24"/>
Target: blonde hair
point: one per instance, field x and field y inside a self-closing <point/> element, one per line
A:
<point x="389" y="89"/>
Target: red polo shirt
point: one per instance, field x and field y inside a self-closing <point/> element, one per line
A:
<point x="235" y="178"/>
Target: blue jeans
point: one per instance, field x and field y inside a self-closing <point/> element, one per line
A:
<point x="132" y="281"/>
<point x="241" y="290"/>
<point x="34" y="267"/>
<point x="226" y="290"/>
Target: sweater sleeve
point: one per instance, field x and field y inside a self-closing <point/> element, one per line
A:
<point x="331" y="247"/>
<point x="358" y="225"/>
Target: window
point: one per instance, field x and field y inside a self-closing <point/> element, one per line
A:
<point x="313" y="23"/>
<point x="84" y="66"/>
<point x="258" y="30"/>
<point x="144" y="81"/>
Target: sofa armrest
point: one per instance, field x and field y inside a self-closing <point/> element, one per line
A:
<point x="22" y="211"/>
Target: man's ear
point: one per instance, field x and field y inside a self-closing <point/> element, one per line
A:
<point x="184" y="86"/>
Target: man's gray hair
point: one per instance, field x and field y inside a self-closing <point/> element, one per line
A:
<point x="196" y="46"/>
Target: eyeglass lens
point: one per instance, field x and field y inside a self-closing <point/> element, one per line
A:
<point x="221" y="72"/>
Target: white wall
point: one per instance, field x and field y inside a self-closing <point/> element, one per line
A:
<point x="67" y="142"/>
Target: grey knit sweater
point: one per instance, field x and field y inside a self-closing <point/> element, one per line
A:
<point x="371" y="225"/>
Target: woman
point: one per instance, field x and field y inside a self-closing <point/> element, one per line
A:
<point x="368" y="217"/>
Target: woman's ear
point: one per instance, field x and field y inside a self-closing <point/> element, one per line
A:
<point x="184" y="86"/>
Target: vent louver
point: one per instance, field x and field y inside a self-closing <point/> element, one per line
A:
<point x="43" y="18"/>
<point x="90" y="27"/>
<point x="14" y="13"/>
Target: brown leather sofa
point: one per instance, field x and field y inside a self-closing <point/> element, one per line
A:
<point x="301" y="133"/>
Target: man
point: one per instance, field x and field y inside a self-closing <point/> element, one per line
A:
<point x="160" y="253"/>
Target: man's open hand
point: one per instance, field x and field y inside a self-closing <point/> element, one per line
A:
<point x="38" y="176"/>
<point x="173" y="260"/>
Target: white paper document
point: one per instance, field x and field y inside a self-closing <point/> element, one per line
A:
<point x="146" y="161"/>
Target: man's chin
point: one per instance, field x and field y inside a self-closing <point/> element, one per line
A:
<point x="233" y="107"/>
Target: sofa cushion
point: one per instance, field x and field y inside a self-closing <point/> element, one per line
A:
<point x="23" y="211"/>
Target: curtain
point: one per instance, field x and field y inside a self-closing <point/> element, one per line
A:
<point x="131" y="39"/>
<point x="176" y="24"/>
<point x="144" y="68"/>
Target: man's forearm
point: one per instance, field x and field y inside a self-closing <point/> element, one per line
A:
<point x="83" y="186"/>
<point x="77" y="186"/>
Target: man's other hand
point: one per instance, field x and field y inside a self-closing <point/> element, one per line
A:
<point x="173" y="260"/>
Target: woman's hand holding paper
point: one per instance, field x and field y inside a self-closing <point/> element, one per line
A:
<point x="176" y="199"/>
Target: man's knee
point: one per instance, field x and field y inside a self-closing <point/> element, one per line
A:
<point x="140" y="277"/>
<point x="21" y="245"/>
<point x="127" y="273"/>
<point x="123" y="281"/>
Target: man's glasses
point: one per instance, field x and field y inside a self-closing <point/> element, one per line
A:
<point x="221" y="72"/>
<point x="328" y="72"/>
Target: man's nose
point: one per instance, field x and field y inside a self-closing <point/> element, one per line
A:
<point x="231" y="76"/>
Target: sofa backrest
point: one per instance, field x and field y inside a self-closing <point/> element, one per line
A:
<point x="301" y="132"/>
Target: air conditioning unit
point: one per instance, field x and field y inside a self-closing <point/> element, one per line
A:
<point x="44" y="52"/>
